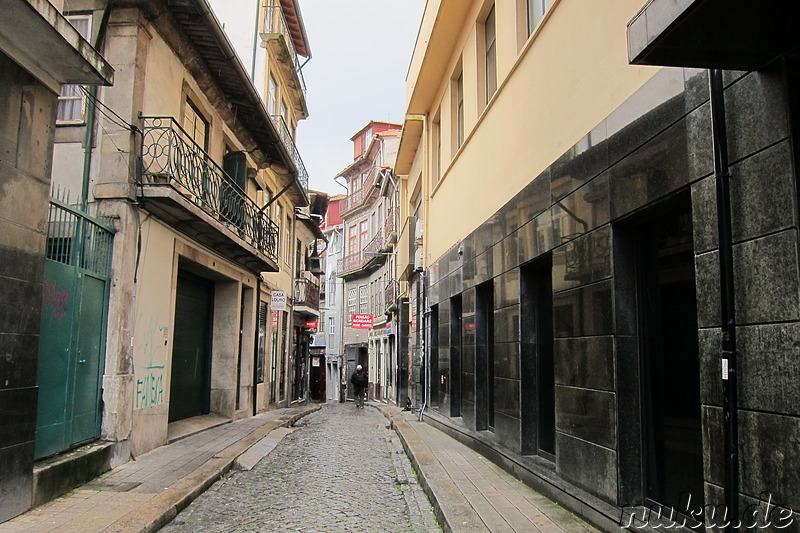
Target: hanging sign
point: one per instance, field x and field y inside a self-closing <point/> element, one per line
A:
<point x="389" y="330"/>
<point x="311" y="324"/>
<point x="278" y="301"/>
<point x="361" y="321"/>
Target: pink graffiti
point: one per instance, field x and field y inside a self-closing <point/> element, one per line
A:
<point x="54" y="298"/>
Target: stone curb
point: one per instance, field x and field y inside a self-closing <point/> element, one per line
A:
<point x="165" y="506"/>
<point x="451" y="508"/>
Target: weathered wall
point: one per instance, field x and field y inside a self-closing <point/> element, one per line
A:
<point x="26" y="135"/>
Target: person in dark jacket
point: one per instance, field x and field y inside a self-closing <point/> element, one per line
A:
<point x="360" y="381"/>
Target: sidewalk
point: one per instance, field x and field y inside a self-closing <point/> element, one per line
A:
<point x="468" y="492"/>
<point x="145" y="494"/>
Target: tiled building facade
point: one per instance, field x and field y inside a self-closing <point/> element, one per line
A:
<point x="575" y="333"/>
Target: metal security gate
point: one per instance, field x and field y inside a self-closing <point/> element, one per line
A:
<point x="190" y="384"/>
<point x="73" y="329"/>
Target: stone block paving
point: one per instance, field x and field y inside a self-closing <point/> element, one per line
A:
<point x="341" y="470"/>
<point x="139" y="494"/>
<point x="472" y="494"/>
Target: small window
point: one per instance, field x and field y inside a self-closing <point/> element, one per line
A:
<point x="437" y="149"/>
<point x="351" y="302"/>
<point x="272" y="96"/>
<point x="459" y="100"/>
<point x="195" y="124"/>
<point x="536" y="12"/>
<point x="363" y="299"/>
<point x="72" y="101"/>
<point x="491" y="55"/>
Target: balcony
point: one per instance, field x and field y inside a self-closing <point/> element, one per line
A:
<point x="183" y="186"/>
<point x="357" y="196"/>
<point x="276" y="30"/>
<point x="306" y="295"/>
<point x="390" y="228"/>
<point x="288" y="143"/>
<point x="390" y="294"/>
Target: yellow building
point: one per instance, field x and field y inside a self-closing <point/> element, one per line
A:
<point x="561" y="245"/>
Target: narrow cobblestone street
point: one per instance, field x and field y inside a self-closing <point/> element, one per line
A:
<point x="341" y="470"/>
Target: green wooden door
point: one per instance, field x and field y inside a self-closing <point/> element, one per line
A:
<point x="190" y="381"/>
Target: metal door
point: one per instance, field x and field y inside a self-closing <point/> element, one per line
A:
<point x="190" y="381"/>
<point x="73" y="329"/>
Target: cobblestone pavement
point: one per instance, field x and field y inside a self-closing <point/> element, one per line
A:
<point x="341" y="470"/>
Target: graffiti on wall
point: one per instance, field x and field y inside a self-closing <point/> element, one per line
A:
<point x="150" y="387"/>
<point x="54" y="299"/>
<point x="150" y="378"/>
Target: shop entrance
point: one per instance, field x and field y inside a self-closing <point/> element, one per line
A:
<point x="190" y="382"/>
<point x="673" y="453"/>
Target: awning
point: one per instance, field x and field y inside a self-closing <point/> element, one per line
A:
<point x="726" y="34"/>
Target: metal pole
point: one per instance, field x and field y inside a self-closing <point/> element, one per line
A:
<point x="727" y="307"/>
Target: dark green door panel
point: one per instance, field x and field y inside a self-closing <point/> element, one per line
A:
<point x="191" y="352"/>
<point x="71" y="350"/>
<point x="55" y="362"/>
<point x="88" y="373"/>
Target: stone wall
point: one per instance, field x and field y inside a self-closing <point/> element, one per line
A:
<point x="26" y="135"/>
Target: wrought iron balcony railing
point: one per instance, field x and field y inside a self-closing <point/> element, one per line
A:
<point x="390" y="228"/>
<point x="306" y="293"/>
<point x="357" y="195"/>
<point x="275" y="23"/>
<point x="288" y="142"/>
<point x="375" y="244"/>
<point x="352" y="262"/>
<point x="171" y="157"/>
<point x="390" y="294"/>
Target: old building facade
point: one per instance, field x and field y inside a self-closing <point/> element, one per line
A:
<point x="570" y="295"/>
<point x="195" y="165"/>
<point x="369" y="219"/>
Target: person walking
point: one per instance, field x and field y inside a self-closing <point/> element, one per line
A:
<point x="360" y="381"/>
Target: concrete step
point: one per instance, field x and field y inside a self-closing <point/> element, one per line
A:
<point x="55" y="476"/>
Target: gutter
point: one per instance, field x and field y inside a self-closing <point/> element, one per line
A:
<point x="90" y="112"/>
<point x="204" y="10"/>
<point x="727" y="303"/>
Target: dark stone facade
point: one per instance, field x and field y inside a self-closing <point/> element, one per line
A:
<point x="649" y="156"/>
<point x="26" y="134"/>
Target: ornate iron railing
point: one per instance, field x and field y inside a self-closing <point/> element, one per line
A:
<point x="306" y="293"/>
<point x="389" y="226"/>
<point x="288" y="142"/>
<point x="358" y="195"/>
<point x="375" y="244"/>
<point x="352" y="262"/>
<point x="275" y="23"/>
<point x="390" y="294"/>
<point x="171" y="157"/>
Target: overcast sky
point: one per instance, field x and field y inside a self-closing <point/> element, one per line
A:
<point x="360" y="54"/>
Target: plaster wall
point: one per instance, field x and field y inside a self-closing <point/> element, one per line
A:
<point x="570" y="75"/>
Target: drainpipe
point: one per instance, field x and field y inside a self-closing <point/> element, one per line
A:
<point x="255" y="345"/>
<point x="727" y="307"/>
<point x="91" y="107"/>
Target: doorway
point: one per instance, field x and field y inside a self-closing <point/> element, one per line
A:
<point x="190" y="381"/>
<point x="667" y="298"/>
<point x="536" y="361"/>
<point x="484" y="357"/>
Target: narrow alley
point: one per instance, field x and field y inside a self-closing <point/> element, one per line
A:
<point x="353" y="472"/>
